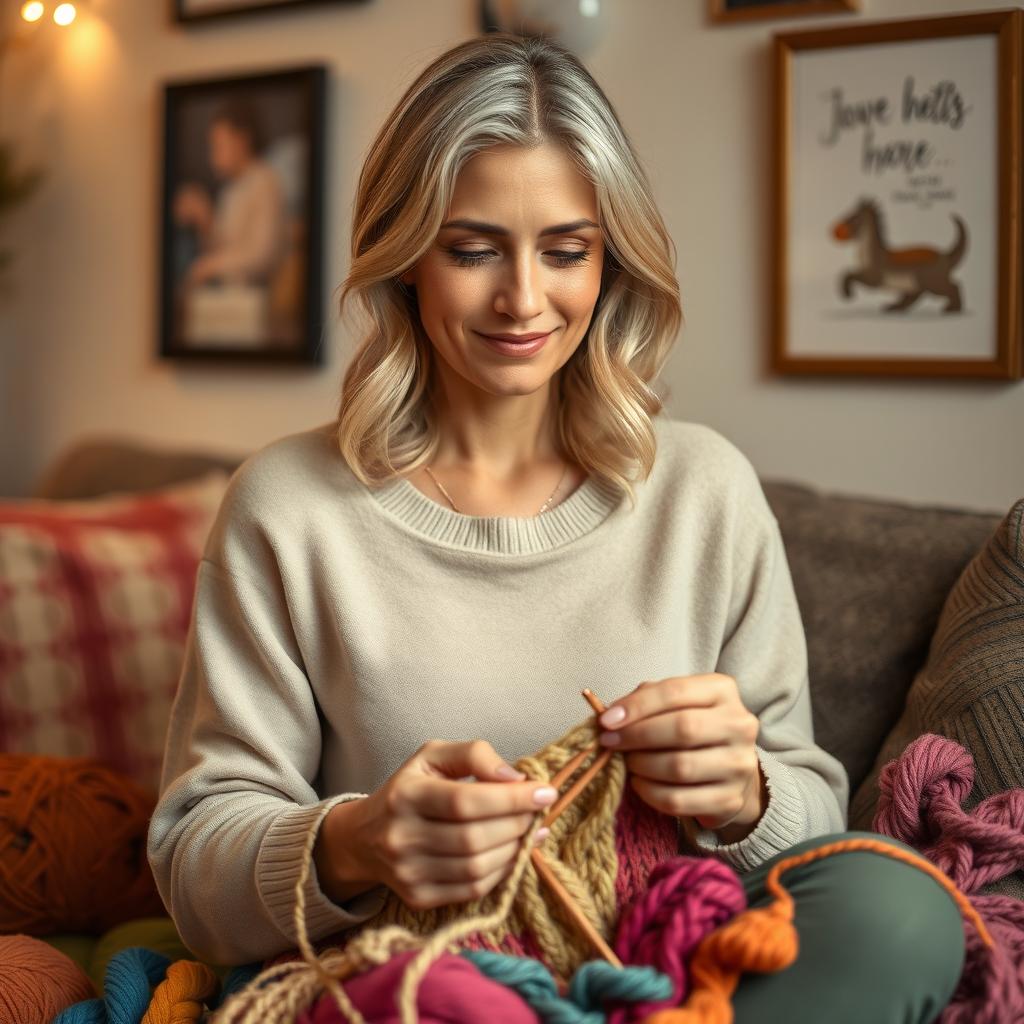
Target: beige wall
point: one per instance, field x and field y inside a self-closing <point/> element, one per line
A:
<point x="79" y="332"/>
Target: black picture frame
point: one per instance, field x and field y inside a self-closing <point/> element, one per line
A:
<point x="181" y="13"/>
<point x="264" y="223"/>
<point x="752" y="10"/>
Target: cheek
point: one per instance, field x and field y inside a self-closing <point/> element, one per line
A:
<point x="577" y="294"/>
<point x="447" y="295"/>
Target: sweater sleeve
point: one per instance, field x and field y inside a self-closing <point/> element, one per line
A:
<point x="766" y="653"/>
<point x="237" y="798"/>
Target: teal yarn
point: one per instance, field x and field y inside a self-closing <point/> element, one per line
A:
<point x="127" y="989"/>
<point x="594" y="983"/>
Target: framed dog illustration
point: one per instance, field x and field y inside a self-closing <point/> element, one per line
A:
<point x="898" y="198"/>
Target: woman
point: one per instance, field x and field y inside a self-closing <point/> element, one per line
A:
<point x="417" y="593"/>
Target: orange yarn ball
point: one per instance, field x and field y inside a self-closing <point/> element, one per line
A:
<point x="72" y="846"/>
<point x="37" y="981"/>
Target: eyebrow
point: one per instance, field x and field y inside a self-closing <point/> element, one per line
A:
<point x="497" y="229"/>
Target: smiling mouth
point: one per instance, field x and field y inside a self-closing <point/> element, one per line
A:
<point x="518" y="339"/>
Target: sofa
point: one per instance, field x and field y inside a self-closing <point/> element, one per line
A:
<point x="873" y="580"/>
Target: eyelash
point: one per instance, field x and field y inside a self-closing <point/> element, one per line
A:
<point x="474" y="259"/>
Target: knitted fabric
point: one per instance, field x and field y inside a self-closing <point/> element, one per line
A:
<point x="920" y="803"/>
<point x="604" y="870"/>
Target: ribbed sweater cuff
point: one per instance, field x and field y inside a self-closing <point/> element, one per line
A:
<point x="279" y="862"/>
<point x="783" y="823"/>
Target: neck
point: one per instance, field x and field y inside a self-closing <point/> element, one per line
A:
<point x="497" y="438"/>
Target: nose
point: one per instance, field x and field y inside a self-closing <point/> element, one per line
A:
<point x="520" y="294"/>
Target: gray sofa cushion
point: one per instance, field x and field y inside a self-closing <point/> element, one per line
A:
<point x="870" y="578"/>
<point x="971" y="688"/>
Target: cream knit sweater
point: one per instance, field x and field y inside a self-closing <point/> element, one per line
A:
<point x="336" y="628"/>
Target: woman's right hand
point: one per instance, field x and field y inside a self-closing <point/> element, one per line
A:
<point x="434" y="837"/>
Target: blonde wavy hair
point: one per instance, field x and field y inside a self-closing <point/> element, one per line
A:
<point x="500" y="89"/>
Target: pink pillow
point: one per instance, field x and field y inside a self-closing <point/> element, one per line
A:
<point x="95" y="601"/>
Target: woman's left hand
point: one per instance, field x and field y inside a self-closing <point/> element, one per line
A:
<point x="688" y="742"/>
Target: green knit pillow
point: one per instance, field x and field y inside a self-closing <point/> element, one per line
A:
<point x="971" y="688"/>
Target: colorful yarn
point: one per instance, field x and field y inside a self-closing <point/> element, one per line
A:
<point x="593" y="986"/>
<point x="686" y="899"/>
<point x="72" y="846"/>
<point x="764" y="940"/>
<point x="157" y="934"/>
<point x="180" y="996"/>
<point x="126" y="991"/>
<point x="920" y="799"/>
<point x="37" y="981"/>
<point x="453" y="990"/>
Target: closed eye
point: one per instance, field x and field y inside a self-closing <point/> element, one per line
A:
<point x="475" y="257"/>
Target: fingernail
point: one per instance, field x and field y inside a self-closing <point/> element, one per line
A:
<point x="545" y="795"/>
<point x="506" y="771"/>
<point x="609" y="739"/>
<point x="613" y="716"/>
<point x="542" y="834"/>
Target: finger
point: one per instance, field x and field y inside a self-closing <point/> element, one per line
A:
<point x="461" y="869"/>
<point x="676" y="729"/>
<point x="458" y="760"/>
<point x="456" y="892"/>
<point x="720" y="764"/>
<point x="720" y="802"/>
<point x="651" y="698"/>
<point x="449" y="838"/>
<point x="447" y="800"/>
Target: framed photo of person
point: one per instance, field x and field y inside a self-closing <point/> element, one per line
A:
<point x="203" y="10"/>
<point x="241" y="252"/>
<point x="898" y="198"/>
<point x="749" y="10"/>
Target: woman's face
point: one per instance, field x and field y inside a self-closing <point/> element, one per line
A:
<point x="509" y="272"/>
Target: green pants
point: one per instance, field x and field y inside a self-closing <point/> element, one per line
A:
<point x="881" y="942"/>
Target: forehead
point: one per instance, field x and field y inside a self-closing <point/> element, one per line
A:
<point x="513" y="186"/>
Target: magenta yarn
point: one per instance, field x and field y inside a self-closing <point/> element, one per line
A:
<point x="920" y="799"/>
<point x="686" y="898"/>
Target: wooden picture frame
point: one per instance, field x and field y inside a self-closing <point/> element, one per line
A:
<point x="759" y="10"/>
<point x="242" y="217"/>
<point x="897" y="169"/>
<point x="188" y="11"/>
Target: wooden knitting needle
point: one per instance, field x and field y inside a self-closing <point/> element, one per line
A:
<point x="572" y="909"/>
<point x="689" y="825"/>
<point x="569" y="767"/>
<point x="544" y="869"/>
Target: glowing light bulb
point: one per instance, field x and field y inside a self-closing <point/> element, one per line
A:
<point x="32" y="11"/>
<point x="64" y="14"/>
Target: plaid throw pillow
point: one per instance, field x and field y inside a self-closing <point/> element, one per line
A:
<point x="95" y="600"/>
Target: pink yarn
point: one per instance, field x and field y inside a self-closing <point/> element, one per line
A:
<point x="686" y="899"/>
<point x="920" y="803"/>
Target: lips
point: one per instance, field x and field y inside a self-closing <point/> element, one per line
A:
<point x="518" y="338"/>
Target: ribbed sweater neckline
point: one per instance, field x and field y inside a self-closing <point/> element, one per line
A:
<point x="584" y="510"/>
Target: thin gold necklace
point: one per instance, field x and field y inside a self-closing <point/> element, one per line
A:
<point x="543" y="507"/>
